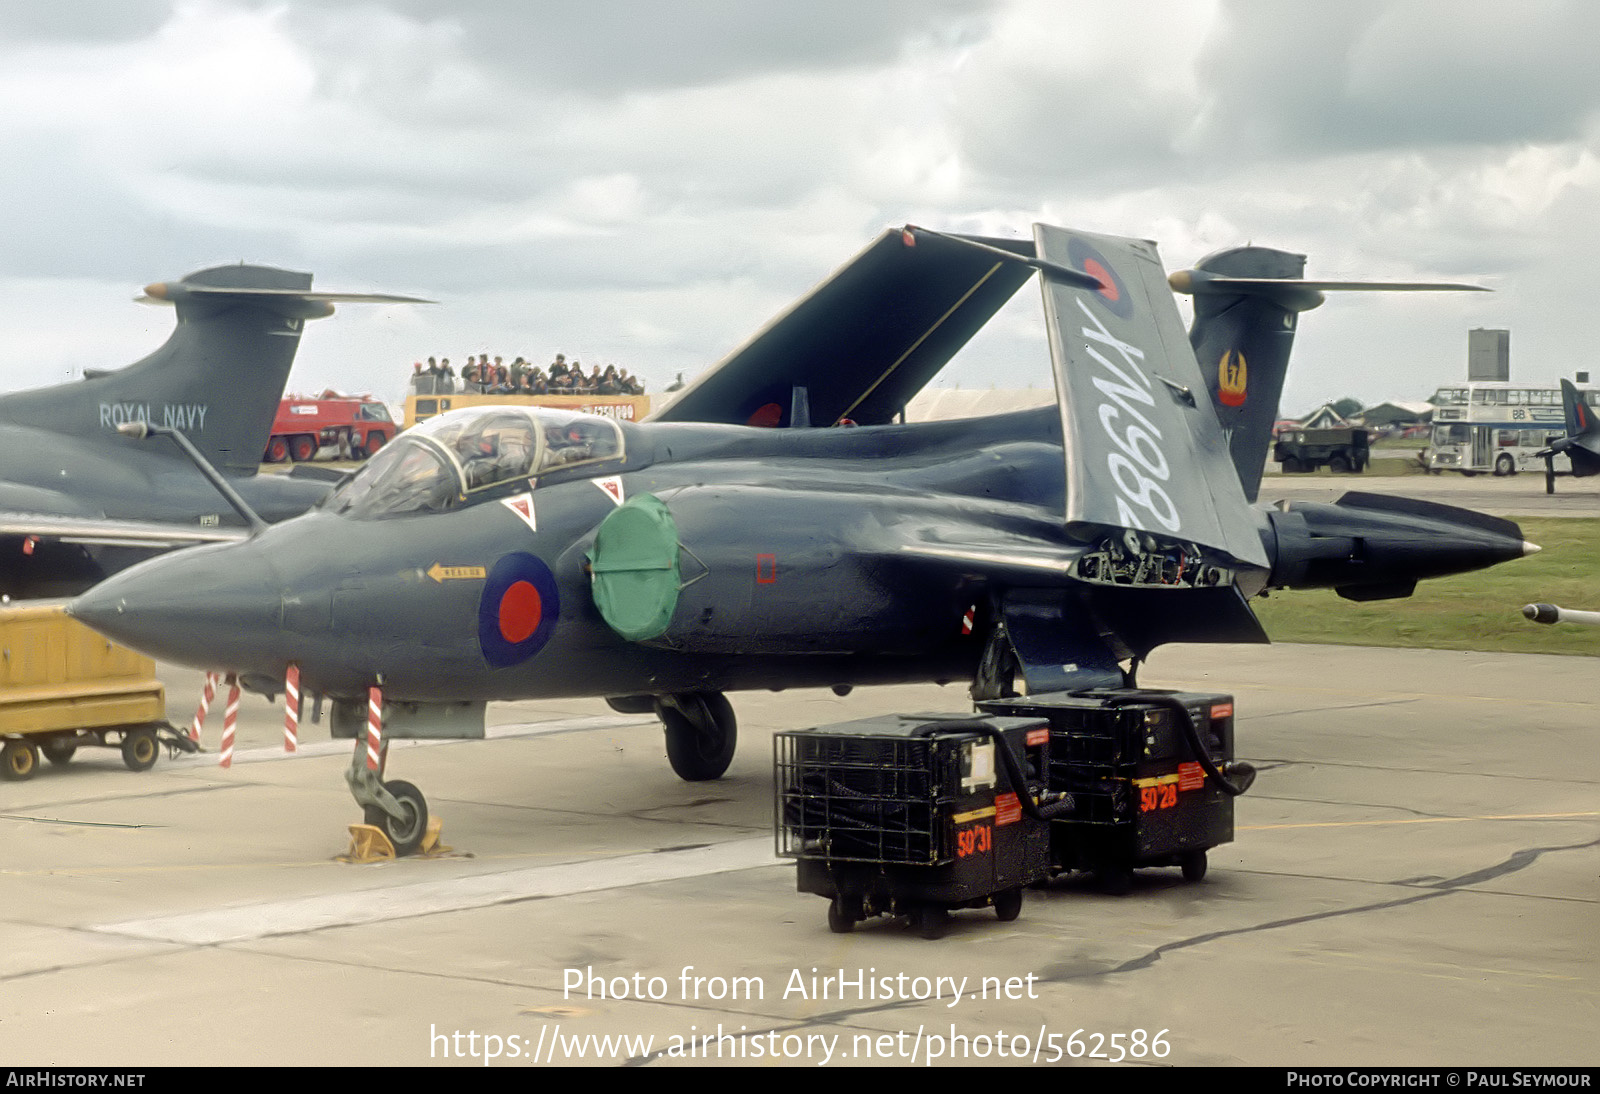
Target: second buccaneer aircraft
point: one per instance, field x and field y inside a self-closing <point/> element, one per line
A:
<point x="510" y="553"/>
<point x="79" y="500"/>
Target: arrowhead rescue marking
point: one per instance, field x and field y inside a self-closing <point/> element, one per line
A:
<point x="611" y="486"/>
<point x="522" y="505"/>
<point x="441" y="574"/>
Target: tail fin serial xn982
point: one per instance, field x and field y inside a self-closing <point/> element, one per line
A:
<point x="218" y="378"/>
<point x="1246" y="300"/>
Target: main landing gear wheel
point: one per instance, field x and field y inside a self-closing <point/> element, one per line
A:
<point x="701" y="734"/>
<point x="19" y="759"/>
<point x="405" y="832"/>
<point x="140" y="748"/>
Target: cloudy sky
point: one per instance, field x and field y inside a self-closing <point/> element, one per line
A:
<point x="647" y="183"/>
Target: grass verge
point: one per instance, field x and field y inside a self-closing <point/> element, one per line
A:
<point x="1477" y="611"/>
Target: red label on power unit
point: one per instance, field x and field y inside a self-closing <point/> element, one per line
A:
<point x="974" y="841"/>
<point x="1222" y="710"/>
<point x="1191" y="776"/>
<point x="1038" y="736"/>
<point x="1007" y="810"/>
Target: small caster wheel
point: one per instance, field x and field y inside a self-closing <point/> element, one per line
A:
<point x="58" y="752"/>
<point x="19" y="759"/>
<point x="930" y="920"/>
<point x="1008" y="905"/>
<point x="1194" y="865"/>
<point x="140" y="748"/>
<point x="843" y="914"/>
<point x="1116" y="880"/>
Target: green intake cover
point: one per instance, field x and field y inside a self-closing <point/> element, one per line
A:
<point x="634" y="568"/>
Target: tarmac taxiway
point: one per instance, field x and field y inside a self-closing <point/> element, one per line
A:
<point x="1415" y="880"/>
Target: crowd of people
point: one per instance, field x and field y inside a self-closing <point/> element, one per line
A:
<point x="484" y="377"/>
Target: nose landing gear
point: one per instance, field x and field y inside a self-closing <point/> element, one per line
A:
<point x="395" y="812"/>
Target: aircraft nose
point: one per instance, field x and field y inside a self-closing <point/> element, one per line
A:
<point x="206" y="607"/>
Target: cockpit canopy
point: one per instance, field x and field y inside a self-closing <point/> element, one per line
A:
<point x="440" y="464"/>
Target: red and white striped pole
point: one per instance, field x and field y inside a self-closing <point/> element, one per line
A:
<point x="375" y="730"/>
<point x="206" y="696"/>
<point x="291" y="708"/>
<point x="230" y="718"/>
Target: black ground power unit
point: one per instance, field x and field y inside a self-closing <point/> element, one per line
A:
<point x="916" y="814"/>
<point x="1142" y="793"/>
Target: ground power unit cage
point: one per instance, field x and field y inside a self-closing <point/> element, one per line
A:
<point x="1140" y="795"/>
<point x="915" y="814"/>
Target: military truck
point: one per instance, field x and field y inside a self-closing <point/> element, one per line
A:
<point x="1341" y="450"/>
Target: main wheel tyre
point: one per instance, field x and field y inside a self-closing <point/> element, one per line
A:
<point x="1504" y="465"/>
<point x="407" y="831"/>
<point x="140" y="748"/>
<point x="1194" y="865"/>
<point x="18" y="760"/>
<point x="1008" y="905"/>
<point x="58" y="752"/>
<point x="277" y="450"/>
<point x="700" y="747"/>
<point x="303" y="448"/>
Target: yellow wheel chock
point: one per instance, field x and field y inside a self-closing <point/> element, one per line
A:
<point x="369" y="843"/>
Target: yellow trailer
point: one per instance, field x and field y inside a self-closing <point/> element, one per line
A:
<point x="62" y="687"/>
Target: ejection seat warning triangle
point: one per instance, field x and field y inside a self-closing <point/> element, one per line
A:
<point x="522" y="505"/>
<point x="612" y="487"/>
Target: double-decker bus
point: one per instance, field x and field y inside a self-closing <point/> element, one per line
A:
<point x="1497" y="426"/>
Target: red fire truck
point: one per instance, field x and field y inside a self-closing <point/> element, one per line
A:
<point x="353" y="425"/>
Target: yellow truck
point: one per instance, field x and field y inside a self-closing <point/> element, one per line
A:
<point x="62" y="687"/>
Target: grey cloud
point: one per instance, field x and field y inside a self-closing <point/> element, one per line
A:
<point x="1293" y="79"/>
<point x="610" y="47"/>
<point x="76" y="220"/>
<point x="36" y="20"/>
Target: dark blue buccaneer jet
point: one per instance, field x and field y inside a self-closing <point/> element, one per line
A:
<point x="520" y="553"/>
<point x="79" y="500"/>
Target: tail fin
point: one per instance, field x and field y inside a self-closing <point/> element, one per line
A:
<point x="1143" y="453"/>
<point x="1246" y="301"/>
<point x="1582" y="442"/>
<point x="218" y="378"/>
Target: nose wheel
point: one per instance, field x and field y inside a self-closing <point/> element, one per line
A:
<point x="395" y="809"/>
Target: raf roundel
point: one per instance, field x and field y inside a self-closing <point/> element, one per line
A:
<point x="518" y="610"/>
<point x="1113" y="293"/>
